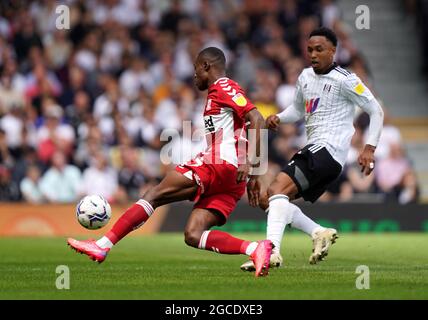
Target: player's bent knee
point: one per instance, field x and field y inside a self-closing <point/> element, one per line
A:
<point x="155" y="195"/>
<point x="273" y="190"/>
<point x="192" y="237"/>
<point x="283" y="186"/>
<point x="150" y="196"/>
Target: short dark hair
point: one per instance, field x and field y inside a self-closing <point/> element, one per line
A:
<point x="325" y="32"/>
<point x="215" y="55"/>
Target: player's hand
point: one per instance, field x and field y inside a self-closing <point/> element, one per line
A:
<point x="272" y="122"/>
<point x="366" y="159"/>
<point x="253" y="191"/>
<point x="243" y="171"/>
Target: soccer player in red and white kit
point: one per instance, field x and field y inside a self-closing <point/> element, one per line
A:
<point x="215" y="180"/>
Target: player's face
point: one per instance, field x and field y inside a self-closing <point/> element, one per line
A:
<point x="200" y="77"/>
<point x="321" y="51"/>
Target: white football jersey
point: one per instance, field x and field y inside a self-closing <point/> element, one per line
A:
<point x="329" y="102"/>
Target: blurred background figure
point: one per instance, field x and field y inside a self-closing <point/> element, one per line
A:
<point x="99" y="178"/>
<point x="395" y="177"/>
<point x="60" y="183"/>
<point x="30" y="186"/>
<point x="9" y="190"/>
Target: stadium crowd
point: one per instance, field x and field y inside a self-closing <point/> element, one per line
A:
<point x="84" y="110"/>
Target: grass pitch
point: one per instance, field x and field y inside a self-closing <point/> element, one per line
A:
<point x="163" y="267"/>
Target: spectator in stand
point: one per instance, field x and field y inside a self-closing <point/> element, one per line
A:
<point x="12" y="124"/>
<point x="41" y="83"/>
<point x="9" y="190"/>
<point x="76" y="113"/>
<point x="394" y="176"/>
<point x="28" y="158"/>
<point x="6" y="158"/>
<point x="30" y="186"/>
<point x="54" y="135"/>
<point x="264" y="96"/>
<point x="25" y="36"/>
<point x="100" y="178"/>
<point x="58" y="50"/>
<point x="90" y="142"/>
<point x="10" y="97"/>
<point x="61" y="181"/>
<point x="131" y="176"/>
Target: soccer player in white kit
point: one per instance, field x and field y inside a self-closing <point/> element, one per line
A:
<point x="326" y="96"/>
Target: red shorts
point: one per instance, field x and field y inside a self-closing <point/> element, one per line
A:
<point x="218" y="188"/>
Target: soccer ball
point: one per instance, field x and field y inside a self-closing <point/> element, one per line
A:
<point x="93" y="212"/>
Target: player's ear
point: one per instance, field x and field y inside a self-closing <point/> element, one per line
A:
<point x="206" y="65"/>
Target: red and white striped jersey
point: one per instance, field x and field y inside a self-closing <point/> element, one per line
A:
<point x="224" y="118"/>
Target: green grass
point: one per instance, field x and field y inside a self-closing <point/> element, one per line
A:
<point x="163" y="267"/>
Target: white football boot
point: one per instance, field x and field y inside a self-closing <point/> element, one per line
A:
<point x="322" y="241"/>
<point x="275" y="262"/>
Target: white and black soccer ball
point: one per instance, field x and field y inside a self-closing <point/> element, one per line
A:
<point x="93" y="212"/>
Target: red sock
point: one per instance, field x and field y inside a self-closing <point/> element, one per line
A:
<point x="133" y="218"/>
<point x="222" y="242"/>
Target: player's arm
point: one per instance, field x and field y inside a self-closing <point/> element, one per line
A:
<point x="360" y="95"/>
<point x="366" y="158"/>
<point x="256" y="124"/>
<point x="291" y="114"/>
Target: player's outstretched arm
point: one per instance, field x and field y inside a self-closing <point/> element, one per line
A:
<point x="366" y="158"/>
<point x="272" y="122"/>
<point x="290" y="115"/>
<point x="355" y="90"/>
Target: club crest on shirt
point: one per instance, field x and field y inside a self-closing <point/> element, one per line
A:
<point x="240" y="100"/>
<point x="311" y="105"/>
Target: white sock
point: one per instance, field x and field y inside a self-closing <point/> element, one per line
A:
<point x="280" y="214"/>
<point x="251" y="247"/>
<point x="104" y="243"/>
<point x="303" y="222"/>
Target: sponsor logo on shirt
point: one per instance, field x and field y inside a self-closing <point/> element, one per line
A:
<point x="209" y="124"/>
<point x="359" y="88"/>
<point x="311" y="105"/>
<point x="240" y="100"/>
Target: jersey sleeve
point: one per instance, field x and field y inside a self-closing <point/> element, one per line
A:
<point x="298" y="94"/>
<point x="356" y="91"/>
<point x="236" y="100"/>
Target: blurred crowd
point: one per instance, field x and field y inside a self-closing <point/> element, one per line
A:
<point x="83" y="111"/>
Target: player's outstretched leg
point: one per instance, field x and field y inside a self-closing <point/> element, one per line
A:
<point x="198" y="235"/>
<point x="174" y="187"/>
